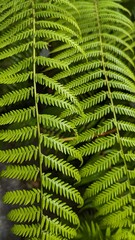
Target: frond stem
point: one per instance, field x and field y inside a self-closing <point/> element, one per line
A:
<point x="68" y="139"/>
<point x="36" y="105"/>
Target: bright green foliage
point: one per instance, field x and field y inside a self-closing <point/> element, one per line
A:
<point x="33" y="138"/>
<point x="106" y="90"/>
<point x="72" y="105"/>
<point x="105" y="86"/>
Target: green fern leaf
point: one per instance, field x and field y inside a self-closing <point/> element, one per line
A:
<point x="15" y="96"/>
<point x="56" y="227"/>
<point x="56" y="122"/>
<point x="99" y="113"/>
<point x="62" y="188"/>
<point x="23" y="134"/>
<point x="99" y="145"/>
<point x="29" y="214"/>
<point x="31" y="129"/>
<point x="14" y="79"/>
<point x="17" y="116"/>
<point x="106" y="181"/>
<point x="63" y="166"/>
<point x="105" y="87"/>
<point x="60" y="208"/>
<point x="27" y="172"/>
<point x="58" y="144"/>
<point x="19" y="154"/>
<point x="100" y="164"/>
<point x="57" y="101"/>
<point x="24" y="197"/>
<point x="26" y="230"/>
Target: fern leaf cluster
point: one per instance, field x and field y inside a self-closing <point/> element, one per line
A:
<point x="107" y="144"/>
<point x="35" y="138"/>
<point x="105" y="86"/>
<point x="67" y="117"/>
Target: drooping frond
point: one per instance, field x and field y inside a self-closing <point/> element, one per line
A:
<point x="34" y="135"/>
<point x="107" y="170"/>
<point x="104" y="83"/>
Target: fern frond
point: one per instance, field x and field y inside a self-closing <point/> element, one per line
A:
<point x="49" y="236"/>
<point x="105" y="87"/>
<point x="44" y="61"/>
<point x="126" y="126"/>
<point x="75" y="105"/>
<point x="124" y="110"/>
<point x="55" y="11"/>
<point x="119" y="216"/>
<point x="102" y="163"/>
<point x="129" y="156"/>
<point x="92" y="101"/>
<point x="27" y="214"/>
<point x="99" y="113"/>
<point x="110" y="194"/>
<point x="114" y="205"/>
<point x="17" y="116"/>
<point x="84" y="79"/>
<point x="27" y="172"/>
<point x="124" y="86"/>
<point x="22" y="197"/>
<point x="56" y="227"/>
<point x="19" y="155"/>
<point x="15" y="50"/>
<point x="14" y="79"/>
<point x="60" y="208"/>
<point x="57" y="101"/>
<point x="89" y="87"/>
<point x="32" y="230"/>
<point x="96" y="132"/>
<point x="99" y="145"/>
<point x="63" y="166"/>
<point x="121" y="96"/>
<point x="28" y="29"/>
<point x="23" y="134"/>
<point x="15" y="96"/>
<point x="54" y="85"/>
<point x="58" y="144"/>
<point x="85" y="136"/>
<point x="56" y="122"/>
<point x="128" y="142"/>
<point x="109" y="178"/>
<point x="61" y="188"/>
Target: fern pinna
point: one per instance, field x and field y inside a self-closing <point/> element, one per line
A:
<point x="33" y="135"/>
<point x="105" y="86"/>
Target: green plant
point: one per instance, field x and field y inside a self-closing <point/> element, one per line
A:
<point x="67" y="119"/>
<point x="35" y="146"/>
<point x="106" y="133"/>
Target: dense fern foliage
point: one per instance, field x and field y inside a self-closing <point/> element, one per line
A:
<point x="105" y="86"/>
<point x="67" y="118"/>
<point x="107" y="131"/>
<point x="34" y="135"/>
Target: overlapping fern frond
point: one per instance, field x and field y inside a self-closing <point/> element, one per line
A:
<point x="107" y="148"/>
<point x="33" y="133"/>
<point x="105" y="86"/>
<point x="61" y="105"/>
